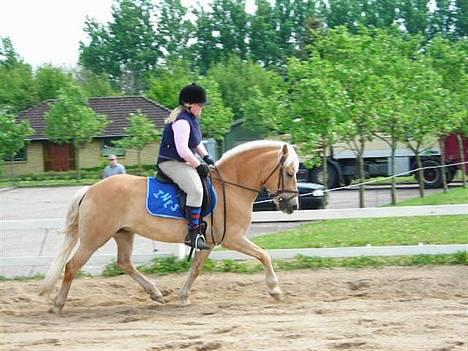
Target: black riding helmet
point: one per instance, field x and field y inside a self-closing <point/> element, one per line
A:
<point x="192" y="94"/>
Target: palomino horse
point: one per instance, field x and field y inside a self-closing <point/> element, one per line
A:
<point x="115" y="208"/>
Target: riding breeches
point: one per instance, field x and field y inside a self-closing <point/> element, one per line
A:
<point x="187" y="178"/>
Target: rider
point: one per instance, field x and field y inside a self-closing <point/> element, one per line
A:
<point x="181" y="140"/>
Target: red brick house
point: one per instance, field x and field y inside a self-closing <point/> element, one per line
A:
<point x="41" y="155"/>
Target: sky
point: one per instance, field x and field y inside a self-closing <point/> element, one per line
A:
<point x="49" y="31"/>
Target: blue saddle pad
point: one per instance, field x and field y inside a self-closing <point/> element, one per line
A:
<point x="164" y="199"/>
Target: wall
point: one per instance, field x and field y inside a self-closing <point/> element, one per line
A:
<point x="34" y="161"/>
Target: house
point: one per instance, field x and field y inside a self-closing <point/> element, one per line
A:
<point x="42" y="155"/>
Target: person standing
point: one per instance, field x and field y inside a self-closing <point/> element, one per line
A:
<point x="181" y="142"/>
<point x="113" y="168"/>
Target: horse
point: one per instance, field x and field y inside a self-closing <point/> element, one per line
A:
<point x="115" y="208"/>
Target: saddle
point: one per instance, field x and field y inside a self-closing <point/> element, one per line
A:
<point x="166" y="199"/>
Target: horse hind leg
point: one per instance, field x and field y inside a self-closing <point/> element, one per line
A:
<point x="247" y="247"/>
<point x="81" y="256"/>
<point x="124" y="240"/>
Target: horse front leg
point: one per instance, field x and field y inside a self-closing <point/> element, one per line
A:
<point x="247" y="247"/>
<point x="124" y="240"/>
<point x="197" y="266"/>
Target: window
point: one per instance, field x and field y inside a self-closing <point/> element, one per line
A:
<point x="21" y="155"/>
<point x="108" y="147"/>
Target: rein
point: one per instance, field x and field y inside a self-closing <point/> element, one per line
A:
<point x="280" y="190"/>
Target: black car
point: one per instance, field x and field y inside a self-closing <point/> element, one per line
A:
<point x="311" y="197"/>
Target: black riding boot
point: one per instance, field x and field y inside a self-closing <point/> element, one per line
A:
<point x="195" y="236"/>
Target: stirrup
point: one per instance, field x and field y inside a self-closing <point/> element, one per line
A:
<point x="197" y="242"/>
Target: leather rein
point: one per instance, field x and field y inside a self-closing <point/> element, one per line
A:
<point x="280" y="190"/>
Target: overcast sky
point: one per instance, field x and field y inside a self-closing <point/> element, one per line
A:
<point x="49" y="31"/>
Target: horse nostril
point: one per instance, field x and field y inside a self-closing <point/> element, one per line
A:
<point x="295" y="207"/>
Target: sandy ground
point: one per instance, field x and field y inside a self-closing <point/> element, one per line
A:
<point x="338" y="309"/>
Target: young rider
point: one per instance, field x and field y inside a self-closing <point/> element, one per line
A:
<point x="181" y="141"/>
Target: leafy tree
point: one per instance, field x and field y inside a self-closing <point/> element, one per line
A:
<point x="94" y="84"/>
<point x="126" y="48"/>
<point x="217" y="118"/>
<point x="70" y="120"/>
<point x="140" y="133"/>
<point x="16" y="77"/>
<point x="49" y="80"/>
<point x="318" y="103"/>
<point x="230" y="20"/>
<point x="17" y="88"/>
<point x="263" y="47"/>
<point x="174" y="30"/>
<point x="205" y="51"/>
<point x="13" y="137"/>
<point x="165" y="83"/>
<point x="8" y="55"/>
<point x="237" y="78"/>
<point x="449" y="108"/>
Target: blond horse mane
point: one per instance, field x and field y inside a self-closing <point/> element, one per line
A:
<point x="259" y="144"/>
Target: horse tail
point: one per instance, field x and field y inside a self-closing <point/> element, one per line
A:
<point x="69" y="243"/>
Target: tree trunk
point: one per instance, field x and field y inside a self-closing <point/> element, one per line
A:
<point x="421" y="175"/>
<point x="442" y="162"/>
<point x="325" y="173"/>
<point x="139" y="162"/>
<point x="77" y="161"/>
<point x="12" y="166"/>
<point x="393" y="189"/>
<point x="463" y="166"/>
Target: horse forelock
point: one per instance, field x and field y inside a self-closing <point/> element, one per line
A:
<point x="291" y="160"/>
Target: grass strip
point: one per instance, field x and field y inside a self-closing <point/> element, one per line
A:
<point x="373" y="231"/>
<point x="169" y="265"/>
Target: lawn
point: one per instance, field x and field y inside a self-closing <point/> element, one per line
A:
<point x="373" y="231"/>
<point x="453" y="196"/>
<point x="379" y="231"/>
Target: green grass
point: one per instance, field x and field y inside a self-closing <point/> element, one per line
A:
<point x="374" y="231"/>
<point x="170" y="265"/>
<point x="453" y="196"/>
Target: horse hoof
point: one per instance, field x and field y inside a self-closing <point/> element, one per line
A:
<point x="184" y="301"/>
<point x="158" y="298"/>
<point x="56" y="310"/>
<point x="276" y="294"/>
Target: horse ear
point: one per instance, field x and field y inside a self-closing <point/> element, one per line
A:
<point x="285" y="150"/>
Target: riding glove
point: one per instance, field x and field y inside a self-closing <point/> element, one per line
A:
<point x="208" y="160"/>
<point x="203" y="170"/>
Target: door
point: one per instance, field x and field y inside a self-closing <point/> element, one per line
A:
<point x="58" y="157"/>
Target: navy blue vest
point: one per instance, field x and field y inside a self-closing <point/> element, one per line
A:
<point x="167" y="149"/>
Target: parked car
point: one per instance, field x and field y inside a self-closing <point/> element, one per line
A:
<point x="312" y="198"/>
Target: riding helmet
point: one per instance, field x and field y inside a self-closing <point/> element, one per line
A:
<point x="192" y="94"/>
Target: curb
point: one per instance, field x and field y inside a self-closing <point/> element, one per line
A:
<point x="6" y="189"/>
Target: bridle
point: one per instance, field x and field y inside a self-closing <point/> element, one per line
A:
<point x="280" y="189"/>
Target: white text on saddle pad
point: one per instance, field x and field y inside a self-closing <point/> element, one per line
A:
<point x="166" y="198"/>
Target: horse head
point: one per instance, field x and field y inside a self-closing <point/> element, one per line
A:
<point x="264" y="164"/>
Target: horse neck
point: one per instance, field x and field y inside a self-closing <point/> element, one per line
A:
<point x="250" y="168"/>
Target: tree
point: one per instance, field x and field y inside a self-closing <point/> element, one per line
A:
<point x="217" y="118"/>
<point x="237" y="79"/>
<point x="318" y="103"/>
<point x="140" y="133"/>
<point x="94" y="84"/>
<point x="49" y="80"/>
<point x="70" y="120"/>
<point x="13" y="137"/>
<point x="126" y="49"/>
<point x="166" y="83"/>
<point x="174" y="30"/>
<point x="16" y="88"/>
